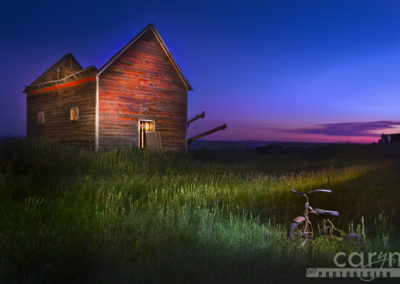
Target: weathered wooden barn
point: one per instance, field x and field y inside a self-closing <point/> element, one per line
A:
<point x="139" y="97"/>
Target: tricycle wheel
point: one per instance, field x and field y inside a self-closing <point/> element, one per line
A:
<point x="300" y="232"/>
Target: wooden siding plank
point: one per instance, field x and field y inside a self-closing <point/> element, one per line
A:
<point x="142" y="84"/>
<point x="56" y="106"/>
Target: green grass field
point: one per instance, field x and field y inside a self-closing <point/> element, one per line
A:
<point x="68" y="215"/>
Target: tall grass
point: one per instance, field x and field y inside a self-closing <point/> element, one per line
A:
<point x="126" y="216"/>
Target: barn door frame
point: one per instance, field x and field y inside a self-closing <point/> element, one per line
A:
<point x="139" y="128"/>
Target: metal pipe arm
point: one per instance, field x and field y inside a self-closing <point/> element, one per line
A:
<point x="201" y="115"/>
<point x="222" y="127"/>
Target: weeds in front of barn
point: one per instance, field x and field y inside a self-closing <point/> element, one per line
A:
<point x="129" y="216"/>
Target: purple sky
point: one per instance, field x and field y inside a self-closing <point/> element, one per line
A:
<point x="324" y="71"/>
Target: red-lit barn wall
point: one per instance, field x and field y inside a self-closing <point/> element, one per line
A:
<point x="142" y="84"/>
<point x="57" y="105"/>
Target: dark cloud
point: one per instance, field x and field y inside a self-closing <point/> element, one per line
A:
<point x="347" y="128"/>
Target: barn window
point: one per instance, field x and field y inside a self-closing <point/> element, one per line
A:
<point x="74" y="114"/>
<point x="145" y="126"/>
<point x="41" y="117"/>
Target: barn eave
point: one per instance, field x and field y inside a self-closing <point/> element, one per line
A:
<point x="89" y="71"/>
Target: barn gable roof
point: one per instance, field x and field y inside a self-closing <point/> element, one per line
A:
<point x="153" y="29"/>
<point x="67" y="65"/>
<point x="85" y="75"/>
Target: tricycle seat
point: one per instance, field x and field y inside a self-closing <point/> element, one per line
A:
<point x="326" y="212"/>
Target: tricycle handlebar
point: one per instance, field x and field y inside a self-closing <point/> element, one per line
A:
<point x="312" y="191"/>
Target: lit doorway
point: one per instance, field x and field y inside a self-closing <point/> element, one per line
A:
<point x="145" y="126"/>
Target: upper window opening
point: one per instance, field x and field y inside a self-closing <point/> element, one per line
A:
<point x="41" y="117"/>
<point x="74" y="115"/>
